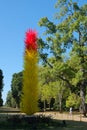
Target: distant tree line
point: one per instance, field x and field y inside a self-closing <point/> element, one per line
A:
<point x="53" y="93"/>
<point x="14" y="95"/>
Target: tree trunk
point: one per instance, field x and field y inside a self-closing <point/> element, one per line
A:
<point x="44" y="105"/>
<point x="49" y="104"/>
<point x="82" y="95"/>
<point x="60" y="102"/>
<point x="60" y="105"/>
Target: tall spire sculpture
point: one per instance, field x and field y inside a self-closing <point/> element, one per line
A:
<point x="29" y="99"/>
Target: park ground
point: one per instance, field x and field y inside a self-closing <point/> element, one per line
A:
<point x="76" y="121"/>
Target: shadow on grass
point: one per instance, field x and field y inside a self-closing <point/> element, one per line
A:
<point x="39" y="122"/>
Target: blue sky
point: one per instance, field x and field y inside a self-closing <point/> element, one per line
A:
<point x="16" y="16"/>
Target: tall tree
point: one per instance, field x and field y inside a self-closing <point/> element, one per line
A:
<point x="10" y="101"/>
<point x="1" y="87"/>
<point x="73" y="100"/>
<point x="16" y="87"/>
<point x="52" y="88"/>
<point x="69" y="34"/>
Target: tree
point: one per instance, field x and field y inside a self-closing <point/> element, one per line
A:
<point x="51" y="88"/>
<point x="73" y="100"/>
<point x="10" y="101"/>
<point x="69" y="34"/>
<point x="1" y="87"/>
<point x="45" y="90"/>
<point x="16" y="87"/>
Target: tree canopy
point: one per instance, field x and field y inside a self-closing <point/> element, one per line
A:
<point x="66" y="40"/>
<point x="16" y="87"/>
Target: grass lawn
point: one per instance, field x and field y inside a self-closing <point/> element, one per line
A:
<point x="14" y="121"/>
<point x="40" y="123"/>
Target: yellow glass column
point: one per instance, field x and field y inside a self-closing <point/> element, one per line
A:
<point x="29" y="99"/>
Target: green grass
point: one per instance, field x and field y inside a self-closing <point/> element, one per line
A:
<point x="28" y="123"/>
<point x="75" y="125"/>
<point x="39" y="123"/>
<point x="20" y="122"/>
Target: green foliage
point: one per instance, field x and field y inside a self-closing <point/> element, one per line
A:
<point x="73" y="100"/>
<point x="46" y="84"/>
<point x="16" y="87"/>
<point x="50" y="25"/>
<point x="10" y="102"/>
<point x="14" y="95"/>
<point x="68" y="38"/>
<point x="51" y="88"/>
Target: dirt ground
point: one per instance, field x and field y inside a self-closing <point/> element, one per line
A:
<point x="64" y="116"/>
<point x="53" y="114"/>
